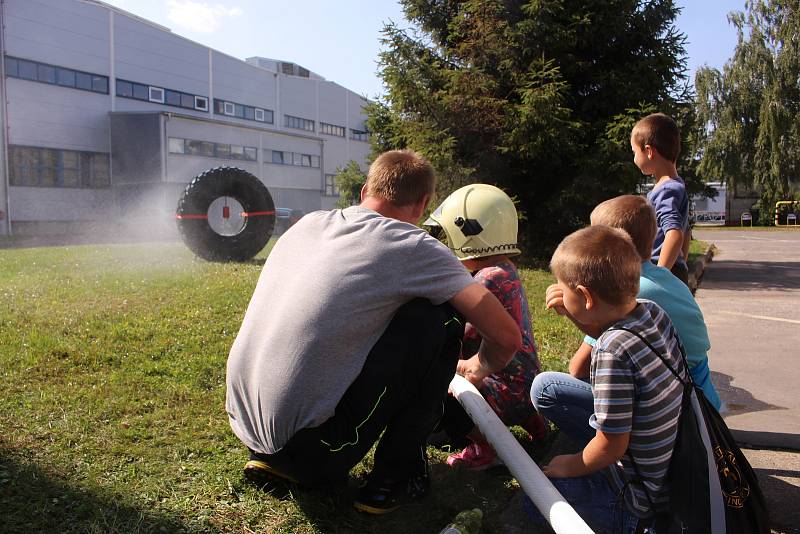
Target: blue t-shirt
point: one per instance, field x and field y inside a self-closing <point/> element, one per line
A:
<point x="672" y="213"/>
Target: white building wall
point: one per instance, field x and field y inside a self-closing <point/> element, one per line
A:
<point x="77" y="35"/>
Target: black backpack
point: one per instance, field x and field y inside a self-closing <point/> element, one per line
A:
<point x="712" y="488"/>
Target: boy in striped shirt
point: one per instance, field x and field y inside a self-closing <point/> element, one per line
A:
<point x="619" y="477"/>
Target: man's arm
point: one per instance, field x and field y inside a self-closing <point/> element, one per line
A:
<point x="604" y="449"/>
<point x="500" y="333"/>
<point x="673" y="244"/>
<point x="687" y="241"/>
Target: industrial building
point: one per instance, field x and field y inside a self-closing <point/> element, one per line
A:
<point x="108" y="116"/>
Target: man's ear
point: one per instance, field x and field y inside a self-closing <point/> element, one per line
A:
<point x="363" y="192"/>
<point x="587" y="297"/>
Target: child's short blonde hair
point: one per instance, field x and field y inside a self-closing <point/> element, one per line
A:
<point x="660" y="132"/>
<point x="631" y="213"/>
<point x="402" y="177"/>
<point x="601" y="258"/>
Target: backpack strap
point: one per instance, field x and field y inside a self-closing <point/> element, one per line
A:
<point x="684" y="381"/>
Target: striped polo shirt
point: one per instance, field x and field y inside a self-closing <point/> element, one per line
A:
<point x="635" y="392"/>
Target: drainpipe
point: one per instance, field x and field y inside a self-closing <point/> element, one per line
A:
<point x="5" y="190"/>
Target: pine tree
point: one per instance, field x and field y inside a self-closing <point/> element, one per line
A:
<point x="535" y="97"/>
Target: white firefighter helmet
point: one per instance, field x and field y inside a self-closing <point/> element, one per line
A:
<point x="479" y="220"/>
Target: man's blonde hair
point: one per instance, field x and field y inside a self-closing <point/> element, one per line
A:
<point x="602" y="259"/>
<point x="402" y="177"/>
<point x="661" y="132"/>
<point x="631" y="213"/>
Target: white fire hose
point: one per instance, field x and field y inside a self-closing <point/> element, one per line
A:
<point x="561" y="516"/>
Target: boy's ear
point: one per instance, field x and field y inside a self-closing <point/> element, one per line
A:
<point x="587" y="297"/>
<point x="649" y="151"/>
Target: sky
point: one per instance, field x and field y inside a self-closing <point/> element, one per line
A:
<point x="339" y="40"/>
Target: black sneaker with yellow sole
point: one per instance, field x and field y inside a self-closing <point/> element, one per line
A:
<point x="261" y="473"/>
<point x="384" y="495"/>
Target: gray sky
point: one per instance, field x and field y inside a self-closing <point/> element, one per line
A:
<point x="339" y="39"/>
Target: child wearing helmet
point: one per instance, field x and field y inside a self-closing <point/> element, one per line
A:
<point x="479" y="224"/>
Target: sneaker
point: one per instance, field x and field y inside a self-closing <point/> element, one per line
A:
<point x="260" y="473"/>
<point x="537" y="427"/>
<point x="475" y="456"/>
<point x="385" y="495"/>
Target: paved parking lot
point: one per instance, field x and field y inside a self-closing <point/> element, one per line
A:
<point x="750" y="297"/>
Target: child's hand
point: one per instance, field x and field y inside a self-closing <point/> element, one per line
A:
<point x="562" y="466"/>
<point x="554" y="299"/>
<point x="472" y="370"/>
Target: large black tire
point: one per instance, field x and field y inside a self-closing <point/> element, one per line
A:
<point x="247" y="190"/>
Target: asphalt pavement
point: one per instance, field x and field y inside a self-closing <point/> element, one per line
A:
<point x="750" y="297"/>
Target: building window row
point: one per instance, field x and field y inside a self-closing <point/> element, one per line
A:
<point x="160" y="95"/>
<point x="54" y="75"/>
<point x="193" y="147"/>
<point x="241" y="111"/>
<point x="298" y="123"/>
<point x="331" y="129"/>
<point x="330" y="189"/>
<point x="359" y="135"/>
<point x="50" y="167"/>
<point x="291" y="158"/>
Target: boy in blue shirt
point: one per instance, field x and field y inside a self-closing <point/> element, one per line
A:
<point x="567" y="399"/>
<point x="656" y="143"/>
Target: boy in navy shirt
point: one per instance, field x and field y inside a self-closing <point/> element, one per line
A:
<point x="656" y="143"/>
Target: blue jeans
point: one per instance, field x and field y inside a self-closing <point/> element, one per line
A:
<point x="595" y="501"/>
<point x="566" y="401"/>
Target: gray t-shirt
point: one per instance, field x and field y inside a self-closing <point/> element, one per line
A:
<point x="328" y="290"/>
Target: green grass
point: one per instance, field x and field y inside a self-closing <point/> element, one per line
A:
<point x="697" y="248"/>
<point x="112" y="419"/>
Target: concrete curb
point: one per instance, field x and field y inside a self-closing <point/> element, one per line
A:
<point x="697" y="269"/>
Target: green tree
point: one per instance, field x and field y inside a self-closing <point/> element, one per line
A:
<point x="748" y="112"/>
<point x="535" y="97"/>
<point x="349" y="180"/>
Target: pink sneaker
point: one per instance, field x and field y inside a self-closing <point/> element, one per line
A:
<point x="475" y="456"/>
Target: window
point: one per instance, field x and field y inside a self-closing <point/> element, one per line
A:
<point x="100" y="84"/>
<point x="27" y="70"/>
<point x="177" y="146"/>
<point x="83" y="81"/>
<point x="172" y="98"/>
<point x="151" y="93"/>
<point x="237" y="152"/>
<point x="293" y="158"/>
<point x="222" y="151"/>
<point x="331" y="129"/>
<point x="330" y="189"/>
<point x="124" y="89"/>
<point x="199" y="148"/>
<point x="47" y="74"/>
<point x="250" y="153"/>
<point x="298" y="123"/>
<point x="54" y="75"/>
<point x="140" y="92"/>
<point x="12" y="67"/>
<point x="65" y="77"/>
<point x="156" y="94"/>
<point x="50" y="167"/>
<point x="187" y="101"/>
<point x="359" y="135"/>
<point x="242" y="111"/>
